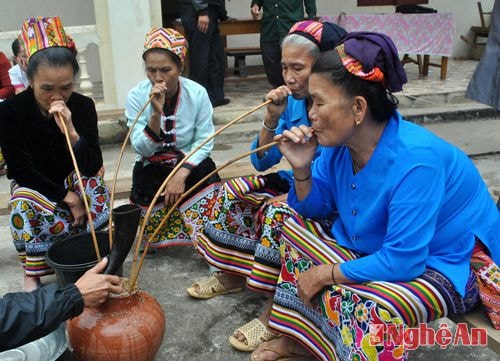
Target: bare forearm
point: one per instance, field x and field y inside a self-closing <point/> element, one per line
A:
<point x="303" y="182"/>
<point x="267" y="132"/>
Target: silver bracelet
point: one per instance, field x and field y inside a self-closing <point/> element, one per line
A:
<point x="267" y="128"/>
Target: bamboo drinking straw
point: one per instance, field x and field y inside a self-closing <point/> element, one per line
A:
<point x="80" y="184"/>
<point x="176" y="168"/>
<point x="117" y="167"/>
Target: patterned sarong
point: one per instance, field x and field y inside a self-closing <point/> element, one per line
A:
<point x="147" y="181"/>
<point x="241" y="235"/>
<point x="36" y="222"/>
<point x="173" y="232"/>
<point x="488" y="278"/>
<point x="337" y="327"/>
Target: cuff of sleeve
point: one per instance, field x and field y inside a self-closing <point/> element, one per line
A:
<point x="203" y="12"/>
<point x="78" y="144"/>
<point x="57" y="195"/>
<point x="76" y="298"/>
<point x="152" y="135"/>
<point x="188" y="166"/>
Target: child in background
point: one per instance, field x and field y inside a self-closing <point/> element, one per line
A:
<point x="17" y="73"/>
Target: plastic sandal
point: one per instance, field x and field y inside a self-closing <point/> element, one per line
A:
<point x="210" y="287"/>
<point x="255" y="333"/>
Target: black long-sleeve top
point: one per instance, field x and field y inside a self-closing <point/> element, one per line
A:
<point x="35" y="149"/>
<point x="27" y="316"/>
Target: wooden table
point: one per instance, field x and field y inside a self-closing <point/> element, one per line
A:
<point x="426" y="34"/>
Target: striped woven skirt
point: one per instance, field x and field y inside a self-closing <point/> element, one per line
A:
<point x="339" y="325"/>
<point x="242" y="232"/>
<point x="36" y="222"/>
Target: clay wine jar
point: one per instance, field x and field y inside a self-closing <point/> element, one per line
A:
<point x="124" y="328"/>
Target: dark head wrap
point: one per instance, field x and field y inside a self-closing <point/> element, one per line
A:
<point x="376" y="50"/>
<point x="325" y="35"/>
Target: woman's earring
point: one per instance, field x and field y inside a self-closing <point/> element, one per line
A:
<point x="357" y="122"/>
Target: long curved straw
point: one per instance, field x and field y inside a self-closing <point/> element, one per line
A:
<point x="177" y="167"/>
<point x="117" y="167"/>
<point x="135" y="273"/>
<point x="80" y="184"/>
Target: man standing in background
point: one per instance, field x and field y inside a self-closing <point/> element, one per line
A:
<point x="200" y="19"/>
<point x="278" y="16"/>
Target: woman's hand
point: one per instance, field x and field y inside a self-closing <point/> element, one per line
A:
<point x="61" y="113"/>
<point x="279" y="97"/>
<point x="175" y="187"/>
<point x="158" y="90"/>
<point x="298" y="145"/>
<point x="280" y="198"/>
<point x="75" y="204"/>
<point x="310" y="282"/>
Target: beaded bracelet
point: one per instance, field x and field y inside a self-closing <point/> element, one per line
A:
<point x="303" y="179"/>
<point x="267" y="128"/>
<point x="333" y="274"/>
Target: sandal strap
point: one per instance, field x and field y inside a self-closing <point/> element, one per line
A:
<point x="209" y="286"/>
<point x="255" y="333"/>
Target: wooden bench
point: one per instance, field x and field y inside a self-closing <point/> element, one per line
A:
<point x="240" y="55"/>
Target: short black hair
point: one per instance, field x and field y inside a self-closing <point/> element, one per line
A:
<point x="16" y="47"/>
<point x="53" y="57"/>
<point x="381" y="102"/>
<point x="177" y="61"/>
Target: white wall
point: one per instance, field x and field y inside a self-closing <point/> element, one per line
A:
<point x="72" y="13"/>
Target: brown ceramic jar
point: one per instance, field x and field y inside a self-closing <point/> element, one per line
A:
<point x="124" y="328"/>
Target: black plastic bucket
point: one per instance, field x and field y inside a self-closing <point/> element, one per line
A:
<point x="73" y="256"/>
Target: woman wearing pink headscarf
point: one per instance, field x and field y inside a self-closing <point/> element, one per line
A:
<point x="179" y="118"/>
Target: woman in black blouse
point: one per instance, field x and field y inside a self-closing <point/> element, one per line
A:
<point x="46" y="203"/>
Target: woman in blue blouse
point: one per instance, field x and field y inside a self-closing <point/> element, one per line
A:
<point x="241" y="235"/>
<point x="412" y="208"/>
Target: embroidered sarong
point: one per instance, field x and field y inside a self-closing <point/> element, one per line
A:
<point x="337" y="326"/>
<point x="36" y="222"/>
<point x="242" y="233"/>
<point x="174" y="232"/>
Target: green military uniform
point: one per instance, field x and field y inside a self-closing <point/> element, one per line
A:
<point x="277" y="19"/>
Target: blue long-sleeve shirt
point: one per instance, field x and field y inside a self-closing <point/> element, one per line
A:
<point x="295" y="114"/>
<point x="419" y="202"/>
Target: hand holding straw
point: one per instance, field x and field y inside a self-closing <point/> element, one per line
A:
<point x="117" y="167"/>
<point x="177" y="167"/>
<point x="80" y="184"/>
<point x="135" y="273"/>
